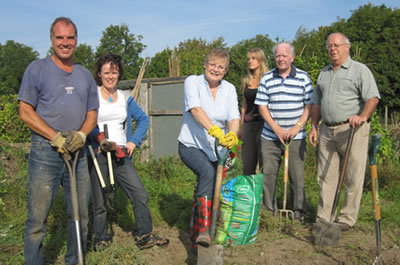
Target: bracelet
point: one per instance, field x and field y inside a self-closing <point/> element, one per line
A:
<point x="313" y="127"/>
<point x="299" y="123"/>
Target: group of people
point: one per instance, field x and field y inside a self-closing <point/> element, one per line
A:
<point x="67" y="109"/>
<point x="276" y="106"/>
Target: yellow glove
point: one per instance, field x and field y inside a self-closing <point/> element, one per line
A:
<point x="74" y="140"/>
<point x="231" y="140"/>
<point x="216" y="132"/>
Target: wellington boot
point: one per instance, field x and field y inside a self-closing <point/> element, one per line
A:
<point x="204" y="211"/>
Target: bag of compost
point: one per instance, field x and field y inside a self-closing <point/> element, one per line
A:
<point x="239" y="210"/>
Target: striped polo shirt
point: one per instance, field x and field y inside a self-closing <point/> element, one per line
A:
<point x="285" y="99"/>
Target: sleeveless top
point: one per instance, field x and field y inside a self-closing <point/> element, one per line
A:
<point x="251" y="113"/>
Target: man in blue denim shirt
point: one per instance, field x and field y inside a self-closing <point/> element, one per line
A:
<point x="58" y="101"/>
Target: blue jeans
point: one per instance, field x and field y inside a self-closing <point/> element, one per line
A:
<point x="47" y="171"/>
<point x="126" y="176"/>
<point x="201" y="165"/>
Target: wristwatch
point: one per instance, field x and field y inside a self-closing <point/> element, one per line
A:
<point x="313" y="126"/>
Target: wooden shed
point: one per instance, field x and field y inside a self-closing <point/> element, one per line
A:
<point x="161" y="99"/>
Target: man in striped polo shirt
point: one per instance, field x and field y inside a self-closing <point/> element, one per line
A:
<point x="284" y="99"/>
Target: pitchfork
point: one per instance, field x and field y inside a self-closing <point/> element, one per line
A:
<point x="288" y="213"/>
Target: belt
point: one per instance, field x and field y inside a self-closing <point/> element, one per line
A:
<point x="333" y="124"/>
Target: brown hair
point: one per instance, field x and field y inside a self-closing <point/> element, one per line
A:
<point x="114" y="60"/>
<point x="64" y="20"/>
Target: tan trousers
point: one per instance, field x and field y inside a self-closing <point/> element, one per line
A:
<point x="332" y="147"/>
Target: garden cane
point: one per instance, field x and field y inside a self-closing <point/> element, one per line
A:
<point x="328" y="233"/>
<point x="373" y="149"/>
<point x="108" y="199"/>
<point x="284" y="211"/>
<point x="74" y="202"/>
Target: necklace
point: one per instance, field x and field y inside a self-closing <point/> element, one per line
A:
<point x="110" y="95"/>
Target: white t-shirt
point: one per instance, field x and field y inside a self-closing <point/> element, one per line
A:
<point x="114" y="115"/>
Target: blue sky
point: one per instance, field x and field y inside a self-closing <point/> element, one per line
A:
<point x="166" y="23"/>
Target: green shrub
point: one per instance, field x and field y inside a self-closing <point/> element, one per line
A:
<point x="12" y="129"/>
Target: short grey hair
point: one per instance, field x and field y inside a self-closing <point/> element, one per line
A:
<point x="346" y="39"/>
<point x="283" y="42"/>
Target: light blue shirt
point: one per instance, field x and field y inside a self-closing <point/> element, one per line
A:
<point x="220" y="111"/>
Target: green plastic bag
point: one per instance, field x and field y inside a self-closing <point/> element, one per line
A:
<point x="239" y="210"/>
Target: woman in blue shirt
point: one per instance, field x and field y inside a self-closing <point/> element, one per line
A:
<point x="210" y="110"/>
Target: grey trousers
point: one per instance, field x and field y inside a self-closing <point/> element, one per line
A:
<point x="272" y="152"/>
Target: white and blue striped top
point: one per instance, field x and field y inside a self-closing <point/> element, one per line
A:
<point x="285" y="99"/>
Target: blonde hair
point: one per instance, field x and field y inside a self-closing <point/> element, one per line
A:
<point x="261" y="70"/>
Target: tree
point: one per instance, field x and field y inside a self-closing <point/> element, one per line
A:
<point x="158" y="66"/>
<point x="192" y="53"/>
<point x="118" y="40"/>
<point x="84" y="55"/>
<point x="14" y="58"/>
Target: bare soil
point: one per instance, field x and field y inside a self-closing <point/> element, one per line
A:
<point x="292" y="244"/>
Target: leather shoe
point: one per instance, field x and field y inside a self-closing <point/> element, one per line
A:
<point x="345" y="227"/>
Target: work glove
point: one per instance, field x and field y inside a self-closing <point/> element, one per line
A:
<point x="231" y="140"/>
<point x="59" y="142"/>
<point x="216" y="132"/>
<point x="74" y="140"/>
<point x="107" y="146"/>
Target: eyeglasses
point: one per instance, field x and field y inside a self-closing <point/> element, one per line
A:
<point x="330" y="46"/>
<point x="215" y="66"/>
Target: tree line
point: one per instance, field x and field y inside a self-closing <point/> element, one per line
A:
<point x="374" y="32"/>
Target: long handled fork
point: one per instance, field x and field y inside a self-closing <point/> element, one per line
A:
<point x="74" y="202"/>
<point x="285" y="212"/>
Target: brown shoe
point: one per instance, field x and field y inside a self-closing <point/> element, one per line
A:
<point x="345" y="227"/>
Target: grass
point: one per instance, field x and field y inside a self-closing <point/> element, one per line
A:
<point x="170" y="186"/>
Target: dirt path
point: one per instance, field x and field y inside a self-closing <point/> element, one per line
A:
<point x="292" y="246"/>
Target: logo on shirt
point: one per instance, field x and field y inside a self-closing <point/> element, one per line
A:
<point x="69" y="89"/>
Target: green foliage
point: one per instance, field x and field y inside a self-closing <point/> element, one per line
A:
<point x="14" y="58"/>
<point x="158" y="66"/>
<point x="312" y="65"/>
<point x="192" y="53"/>
<point x="118" y="40"/>
<point x="387" y="149"/>
<point x="12" y="129"/>
<point x="84" y="56"/>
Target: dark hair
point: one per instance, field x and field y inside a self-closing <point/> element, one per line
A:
<point x="64" y="20"/>
<point x="114" y="59"/>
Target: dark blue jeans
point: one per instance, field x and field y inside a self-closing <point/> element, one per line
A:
<point x="47" y="172"/>
<point x="204" y="169"/>
<point x="126" y="176"/>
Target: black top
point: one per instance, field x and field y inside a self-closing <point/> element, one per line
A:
<point x="251" y="113"/>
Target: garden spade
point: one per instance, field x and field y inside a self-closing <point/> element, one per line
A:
<point x="214" y="254"/>
<point x="74" y="202"/>
<point x="287" y="213"/>
<point x="373" y="149"/>
<point x="327" y="233"/>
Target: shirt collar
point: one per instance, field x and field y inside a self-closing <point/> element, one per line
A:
<point x="345" y="65"/>
<point x="292" y="73"/>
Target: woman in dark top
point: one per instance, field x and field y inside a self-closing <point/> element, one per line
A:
<point x="251" y="121"/>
